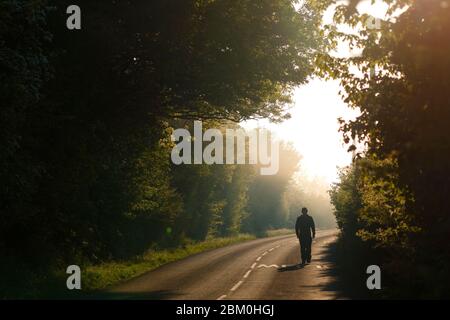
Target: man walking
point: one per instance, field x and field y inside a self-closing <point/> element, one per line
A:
<point x="303" y="228"/>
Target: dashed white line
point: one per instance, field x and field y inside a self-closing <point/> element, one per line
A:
<point x="247" y="273"/>
<point x="236" y="286"/>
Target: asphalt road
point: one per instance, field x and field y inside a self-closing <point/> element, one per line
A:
<point x="258" y="269"/>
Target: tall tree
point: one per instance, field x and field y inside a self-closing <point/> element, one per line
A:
<point x="401" y="88"/>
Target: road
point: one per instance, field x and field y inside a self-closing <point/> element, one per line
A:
<point x="258" y="269"/>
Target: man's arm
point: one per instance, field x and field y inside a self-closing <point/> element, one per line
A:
<point x="313" y="227"/>
<point x="296" y="227"/>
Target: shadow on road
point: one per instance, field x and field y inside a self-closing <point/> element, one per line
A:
<point x="291" y="267"/>
<point x="348" y="279"/>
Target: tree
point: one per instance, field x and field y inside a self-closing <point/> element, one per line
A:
<point x="86" y="118"/>
<point x="401" y="89"/>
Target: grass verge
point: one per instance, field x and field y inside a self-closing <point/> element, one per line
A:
<point x="279" y="232"/>
<point x="107" y="274"/>
<point x="96" y="278"/>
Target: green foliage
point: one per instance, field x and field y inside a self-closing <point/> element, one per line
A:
<point x="24" y="69"/>
<point x="383" y="210"/>
<point x="401" y="88"/>
<point x="346" y="199"/>
<point x="86" y="116"/>
<point x="370" y="204"/>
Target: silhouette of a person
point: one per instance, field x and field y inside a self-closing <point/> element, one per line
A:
<point x="303" y="228"/>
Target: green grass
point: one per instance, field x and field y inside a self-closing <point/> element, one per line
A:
<point x="101" y="276"/>
<point x="279" y="232"/>
<point x="97" y="278"/>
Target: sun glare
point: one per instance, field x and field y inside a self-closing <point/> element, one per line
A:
<point x="313" y="129"/>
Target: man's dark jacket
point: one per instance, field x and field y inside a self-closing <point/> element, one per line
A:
<point x="304" y="226"/>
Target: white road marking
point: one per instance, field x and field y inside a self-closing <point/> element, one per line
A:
<point x="236" y="286"/>
<point x="266" y="266"/>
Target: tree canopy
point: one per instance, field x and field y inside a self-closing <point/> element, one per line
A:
<point x="402" y="175"/>
<point x="87" y="115"/>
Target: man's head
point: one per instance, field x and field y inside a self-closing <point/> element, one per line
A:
<point x="304" y="210"/>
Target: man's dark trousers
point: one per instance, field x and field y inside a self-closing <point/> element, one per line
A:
<point x="305" y="248"/>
